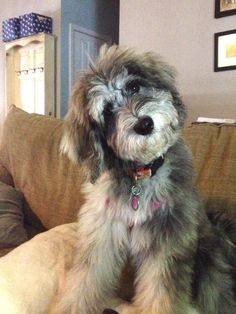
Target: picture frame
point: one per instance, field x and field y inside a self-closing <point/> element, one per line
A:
<point x="225" y="51"/>
<point x="225" y="8"/>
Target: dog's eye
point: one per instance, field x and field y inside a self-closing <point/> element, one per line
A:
<point x="107" y="111"/>
<point x="133" y="87"/>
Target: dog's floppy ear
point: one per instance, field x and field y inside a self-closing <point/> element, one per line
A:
<point x="157" y="69"/>
<point x="80" y="140"/>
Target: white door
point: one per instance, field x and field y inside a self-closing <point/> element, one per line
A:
<point x="84" y="47"/>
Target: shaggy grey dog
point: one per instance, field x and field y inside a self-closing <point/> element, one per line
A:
<point x="125" y="124"/>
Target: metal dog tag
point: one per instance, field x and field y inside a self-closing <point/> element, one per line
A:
<point x="135" y="190"/>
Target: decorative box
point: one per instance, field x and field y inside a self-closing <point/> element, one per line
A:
<point x="33" y="23"/>
<point x="11" y="29"/>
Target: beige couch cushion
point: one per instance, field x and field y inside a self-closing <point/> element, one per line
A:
<point x="32" y="274"/>
<point x="214" y="152"/>
<point x="50" y="183"/>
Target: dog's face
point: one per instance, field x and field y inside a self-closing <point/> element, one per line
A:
<point x="126" y="106"/>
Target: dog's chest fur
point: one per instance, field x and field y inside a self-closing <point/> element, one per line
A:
<point x="113" y="199"/>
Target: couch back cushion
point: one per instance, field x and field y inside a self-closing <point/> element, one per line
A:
<point x="50" y="183"/>
<point x="214" y="156"/>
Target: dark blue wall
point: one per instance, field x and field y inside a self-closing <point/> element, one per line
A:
<point x="101" y="16"/>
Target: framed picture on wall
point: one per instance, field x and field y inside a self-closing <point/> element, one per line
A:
<point x="225" y="8"/>
<point x="225" y="51"/>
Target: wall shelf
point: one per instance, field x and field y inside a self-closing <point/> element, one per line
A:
<point x="30" y="74"/>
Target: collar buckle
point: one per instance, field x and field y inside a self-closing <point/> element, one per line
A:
<point x="141" y="173"/>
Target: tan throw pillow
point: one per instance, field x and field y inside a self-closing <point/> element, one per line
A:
<point x="12" y="231"/>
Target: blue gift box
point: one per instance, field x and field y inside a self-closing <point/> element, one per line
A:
<point x="10" y="29"/>
<point x="33" y="23"/>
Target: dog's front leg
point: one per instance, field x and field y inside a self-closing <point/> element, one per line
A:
<point x="162" y="287"/>
<point x="100" y="258"/>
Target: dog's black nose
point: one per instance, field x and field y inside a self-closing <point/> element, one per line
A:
<point x="109" y="311"/>
<point x="144" y="126"/>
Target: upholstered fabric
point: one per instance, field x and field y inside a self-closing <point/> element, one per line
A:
<point x="30" y="160"/>
<point x="5" y="176"/>
<point x="12" y="231"/>
<point x="32" y="274"/>
<point x="214" y="157"/>
<point x="51" y="184"/>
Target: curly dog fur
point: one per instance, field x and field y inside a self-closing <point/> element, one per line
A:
<point x="124" y="124"/>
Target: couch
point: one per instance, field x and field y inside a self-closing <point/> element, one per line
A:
<point x="40" y="195"/>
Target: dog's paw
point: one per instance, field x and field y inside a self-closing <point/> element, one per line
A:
<point x="109" y="311"/>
